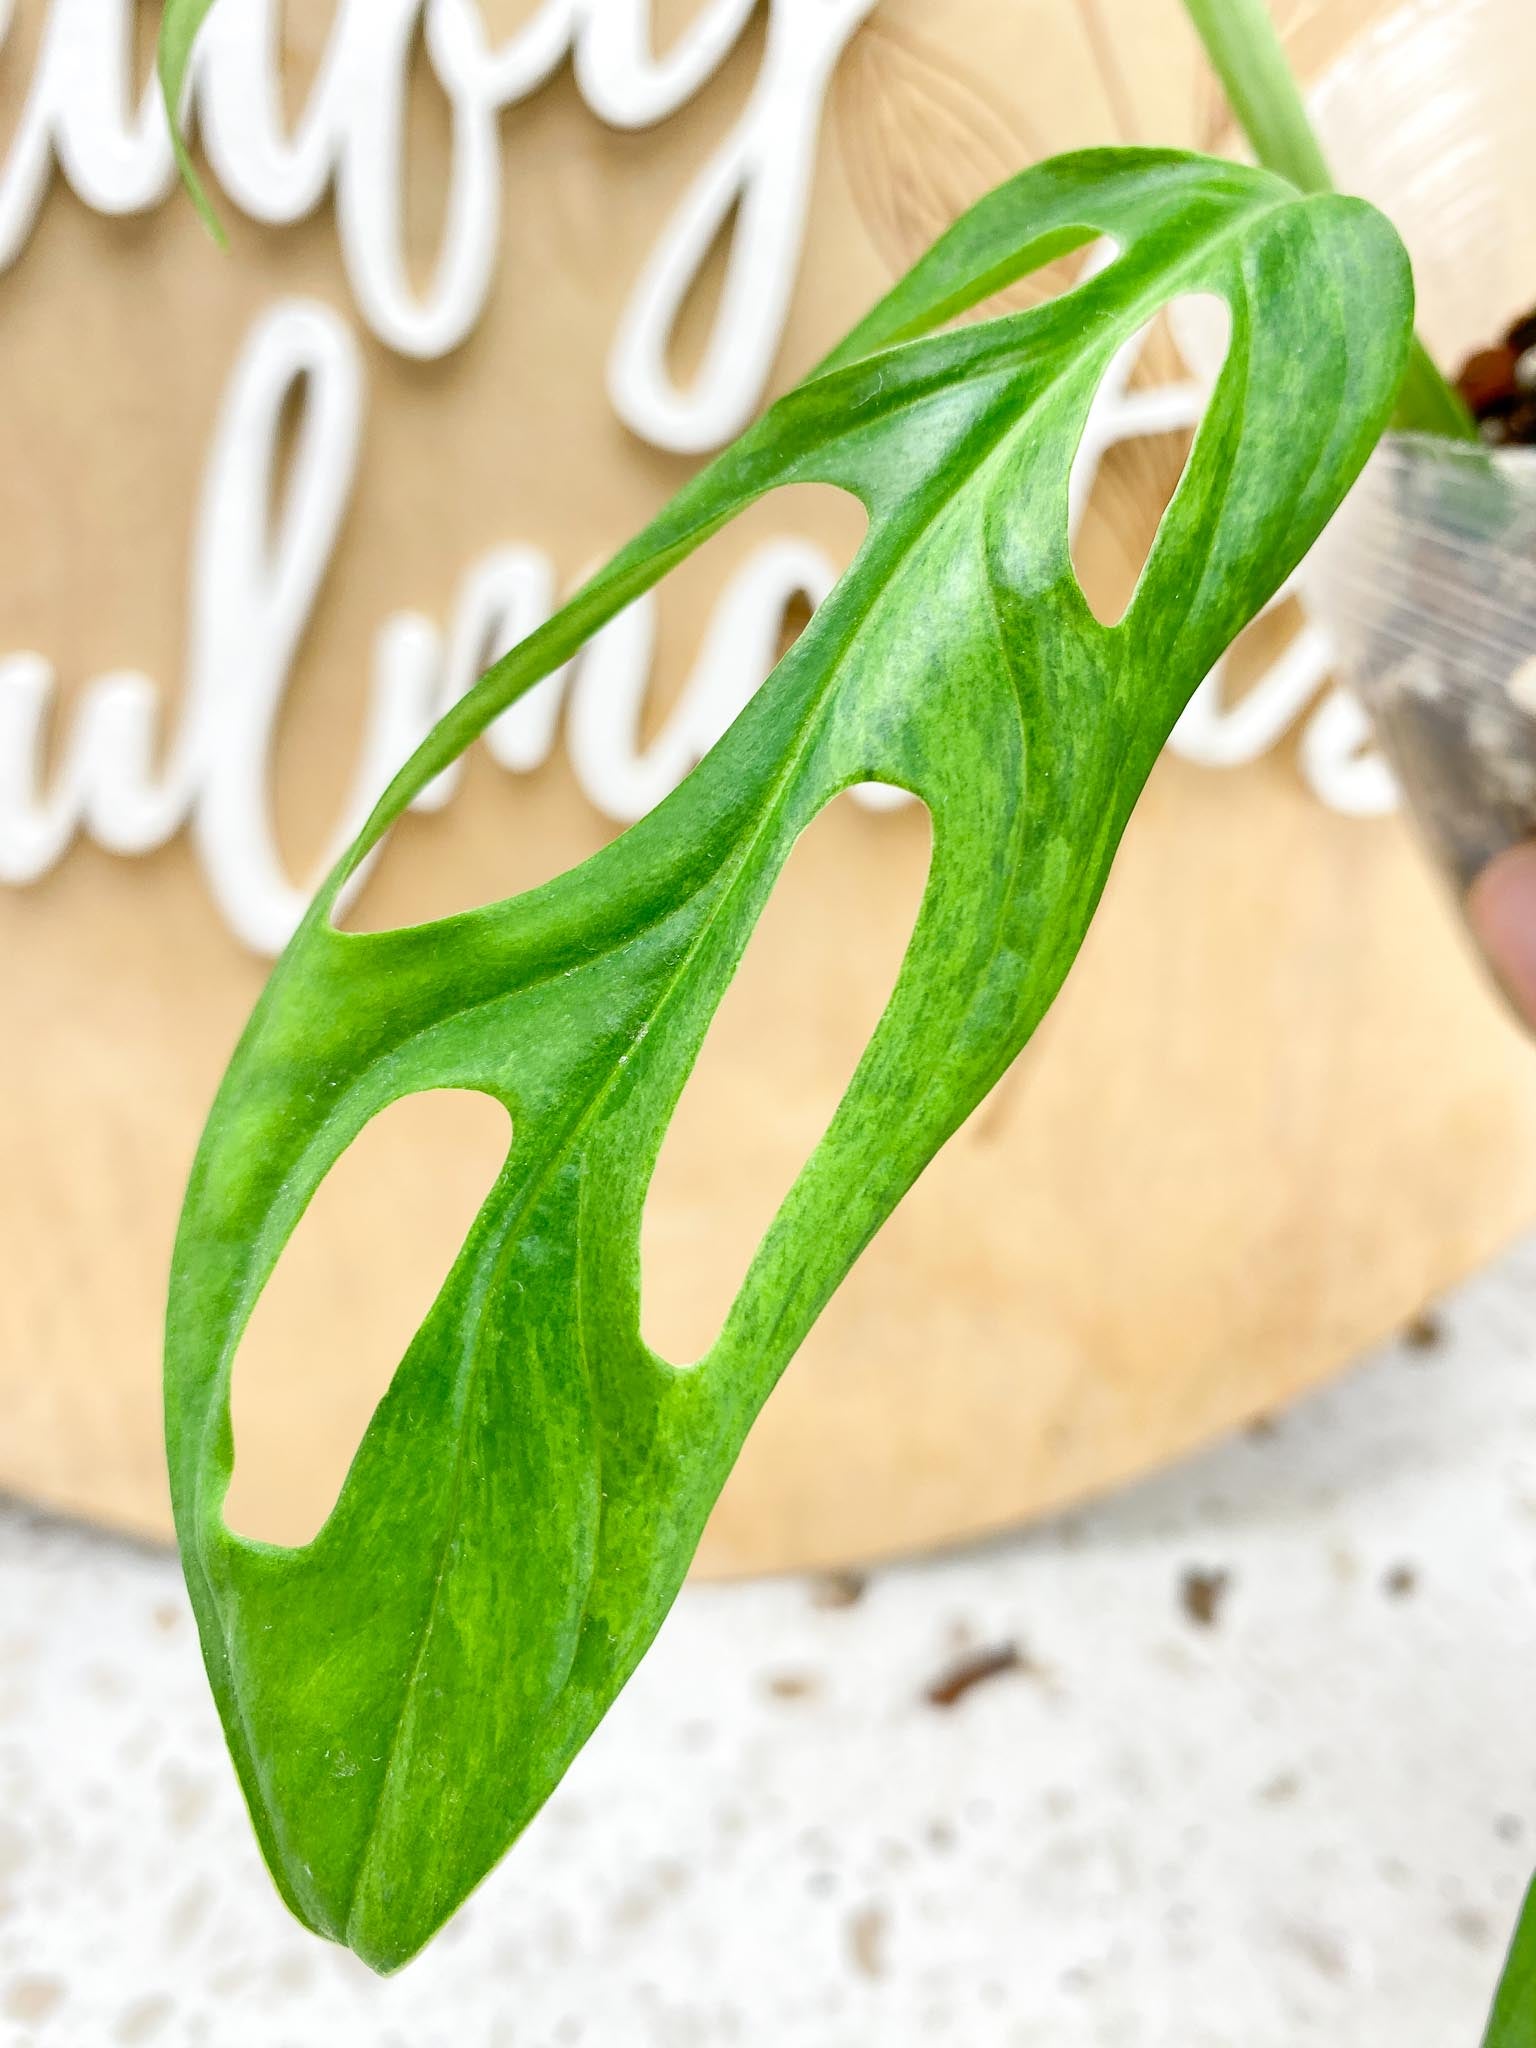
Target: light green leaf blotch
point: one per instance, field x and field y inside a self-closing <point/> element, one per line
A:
<point x="402" y="1694"/>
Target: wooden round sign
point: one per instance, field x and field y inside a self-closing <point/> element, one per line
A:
<point x="501" y="275"/>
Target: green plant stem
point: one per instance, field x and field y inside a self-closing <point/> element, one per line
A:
<point x="1249" y="58"/>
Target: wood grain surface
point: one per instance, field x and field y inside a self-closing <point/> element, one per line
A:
<point x="1275" y="1112"/>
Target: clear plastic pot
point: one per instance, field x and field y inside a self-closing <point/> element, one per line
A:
<point x="1428" y="580"/>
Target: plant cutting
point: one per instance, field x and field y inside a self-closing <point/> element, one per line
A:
<point x="403" y="1693"/>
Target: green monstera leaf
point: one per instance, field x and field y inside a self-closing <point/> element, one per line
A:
<point x="180" y="23"/>
<point x="402" y="1694"/>
<point x="1512" y="2023"/>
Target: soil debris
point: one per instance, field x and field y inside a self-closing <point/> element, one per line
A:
<point x="1472" y="1927"/>
<point x="1321" y="1947"/>
<point x="143" y="2021"/>
<point x="1425" y="1333"/>
<point x="1498" y="386"/>
<point x="835" y="1590"/>
<point x="1281" y="1789"/>
<point x="1401" y="1583"/>
<point x="867" y="1931"/>
<point x="33" y="1998"/>
<point x="963" y="1677"/>
<point x="793" y="1685"/>
<point x="1202" y="1594"/>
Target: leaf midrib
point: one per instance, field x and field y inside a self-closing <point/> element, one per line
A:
<point x="736" y="867"/>
<point x="935" y="504"/>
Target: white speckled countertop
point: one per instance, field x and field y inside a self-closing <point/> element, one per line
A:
<point x="1308" y="1818"/>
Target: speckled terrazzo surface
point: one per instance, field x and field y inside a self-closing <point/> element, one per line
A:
<point x="1263" y="1773"/>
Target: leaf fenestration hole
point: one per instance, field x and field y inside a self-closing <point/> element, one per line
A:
<point x="598" y="744"/>
<point x="1258" y="692"/>
<point x="812" y="985"/>
<point x="1135" y="449"/>
<point x="1056" y="277"/>
<point x="353" y="1286"/>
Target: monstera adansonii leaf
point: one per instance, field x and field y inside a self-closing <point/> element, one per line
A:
<point x="402" y="1694"/>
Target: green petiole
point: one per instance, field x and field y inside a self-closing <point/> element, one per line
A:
<point x="1249" y="58"/>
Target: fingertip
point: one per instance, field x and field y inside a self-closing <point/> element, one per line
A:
<point x="1501" y="909"/>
